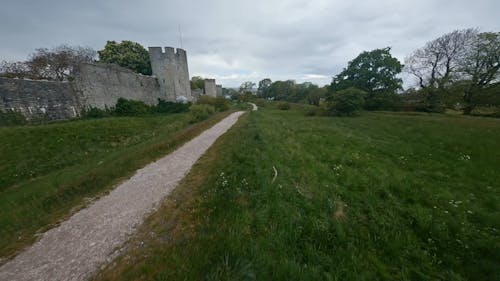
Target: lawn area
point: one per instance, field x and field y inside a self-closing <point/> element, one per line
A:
<point x="382" y="196"/>
<point x="49" y="171"/>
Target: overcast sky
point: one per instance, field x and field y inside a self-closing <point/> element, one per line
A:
<point x="234" y="40"/>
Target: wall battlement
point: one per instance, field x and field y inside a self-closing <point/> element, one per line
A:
<point x="100" y="85"/>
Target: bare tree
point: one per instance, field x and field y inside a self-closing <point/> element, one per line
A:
<point x="18" y="69"/>
<point x="435" y="64"/>
<point x="481" y="66"/>
<point x="247" y="87"/>
<point x="59" y="63"/>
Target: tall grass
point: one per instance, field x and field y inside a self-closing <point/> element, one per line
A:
<point x="383" y="196"/>
<point x="47" y="172"/>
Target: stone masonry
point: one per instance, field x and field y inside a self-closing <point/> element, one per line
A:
<point x="210" y="88"/>
<point x="100" y="85"/>
<point x="171" y="70"/>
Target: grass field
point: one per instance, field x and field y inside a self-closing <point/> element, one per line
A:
<point x="49" y="171"/>
<point x="382" y="196"/>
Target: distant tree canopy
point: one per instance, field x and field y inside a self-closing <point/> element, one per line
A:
<point x="128" y="54"/>
<point x="264" y="85"/>
<point x="462" y="60"/>
<point x="247" y="87"/>
<point x="58" y="63"/>
<point x="290" y="91"/>
<point x="373" y="72"/>
<point x="197" y="82"/>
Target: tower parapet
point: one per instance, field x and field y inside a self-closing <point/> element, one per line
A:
<point x="171" y="70"/>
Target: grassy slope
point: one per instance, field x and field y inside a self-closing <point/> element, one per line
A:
<point x="381" y="196"/>
<point x="47" y="172"/>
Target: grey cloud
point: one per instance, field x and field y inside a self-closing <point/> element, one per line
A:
<point x="234" y="40"/>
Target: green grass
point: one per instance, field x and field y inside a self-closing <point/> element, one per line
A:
<point x="382" y="196"/>
<point x="47" y="172"/>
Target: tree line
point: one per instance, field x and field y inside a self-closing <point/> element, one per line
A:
<point x="459" y="69"/>
<point x="61" y="63"/>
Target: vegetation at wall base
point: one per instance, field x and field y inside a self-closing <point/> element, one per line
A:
<point x="12" y="118"/>
<point x="201" y="112"/>
<point x="49" y="171"/>
<point x="281" y="196"/>
<point x="125" y="107"/>
<point x="219" y="103"/>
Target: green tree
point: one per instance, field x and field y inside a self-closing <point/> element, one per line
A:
<point x="281" y="90"/>
<point x="247" y="87"/>
<point x="264" y="85"/>
<point x="197" y="82"/>
<point x="346" y="102"/>
<point x="372" y="72"/>
<point x="127" y="54"/>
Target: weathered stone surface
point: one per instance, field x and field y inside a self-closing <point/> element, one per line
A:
<point x="40" y="99"/>
<point x="219" y="91"/>
<point x="210" y="88"/>
<point x="101" y="85"/>
<point x="171" y="70"/>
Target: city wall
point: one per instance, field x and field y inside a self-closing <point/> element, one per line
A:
<point x="101" y="85"/>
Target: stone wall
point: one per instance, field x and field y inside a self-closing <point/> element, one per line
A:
<point x="219" y="90"/>
<point x="101" y="85"/>
<point x="39" y="99"/>
<point x="210" y="88"/>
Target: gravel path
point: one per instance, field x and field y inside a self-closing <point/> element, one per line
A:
<point x="77" y="248"/>
<point x="254" y="106"/>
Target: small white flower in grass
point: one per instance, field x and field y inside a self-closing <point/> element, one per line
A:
<point x="446" y="212"/>
<point x="464" y="157"/>
<point x="469" y="211"/>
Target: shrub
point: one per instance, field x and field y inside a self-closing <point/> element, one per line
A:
<point x="95" y="112"/>
<point x="201" y="112"/>
<point x="126" y="107"/>
<point x="12" y="118"/>
<point x="219" y="103"/>
<point x="283" y="106"/>
<point x="311" y="112"/>
<point x="383" y="101"/>
<point x="171" y="107"/>
<point x="346" y="102"/>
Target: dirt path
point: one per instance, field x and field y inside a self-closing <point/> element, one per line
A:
<point x="77" y="248"/>
<point x="254" y="106"/>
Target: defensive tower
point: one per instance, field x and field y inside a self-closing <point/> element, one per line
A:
<point x="171" y="70"/>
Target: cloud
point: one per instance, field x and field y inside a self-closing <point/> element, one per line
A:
<point x="234" y="40"/>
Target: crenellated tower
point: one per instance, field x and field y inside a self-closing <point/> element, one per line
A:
<point x="171" y="70"/>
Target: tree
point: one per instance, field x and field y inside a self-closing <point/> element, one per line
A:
<point x="264" y="85"/>
<point x="435" y="65"/>
<point x="346" y="102"/>
<point x="246" y="87"/>
<point x="18" y="69"/>
<point x="59" y="63"/>
<point x="127" y="54"/>
<point x="197" y="82"/>
<point x="373" y="72"/>
<point x="480" y="66"/>
<point x="281" y="90"/>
